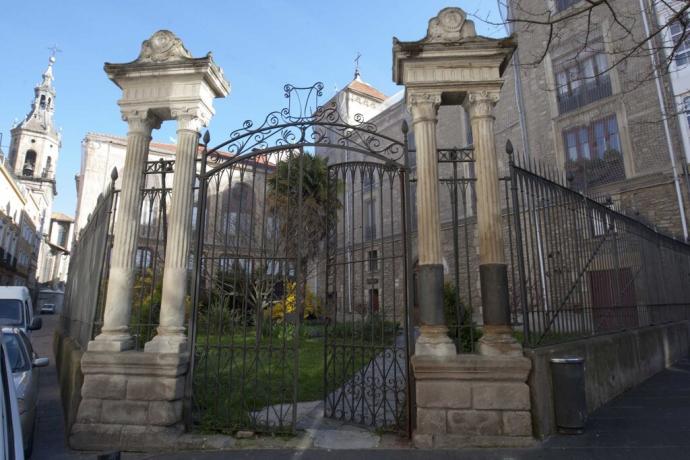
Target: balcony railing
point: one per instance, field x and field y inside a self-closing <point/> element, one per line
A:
<point x="587" y="93"/>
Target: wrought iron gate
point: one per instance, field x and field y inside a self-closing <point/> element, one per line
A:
<point x="368" y="325"/>
<point x="262" y="305"/>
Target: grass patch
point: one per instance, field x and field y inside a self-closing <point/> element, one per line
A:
<point x="235" y="376"/>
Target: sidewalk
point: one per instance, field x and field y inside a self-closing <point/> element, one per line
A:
<point x="649" y="421"/>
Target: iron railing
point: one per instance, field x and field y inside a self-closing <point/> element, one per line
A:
<point x="590" y="90"/>
<point x="85" y="288"/>
<point x="581" y="268"/>
<point x="90" y="261"/>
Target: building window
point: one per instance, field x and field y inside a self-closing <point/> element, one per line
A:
<point x="369" y="220"/>
<point x="582" y="81"/>
<point x="143" y="258"/>
<point x="367" y="180"/>
<point x="601" y="223"/>
<point x="412" y="148"/>
<point x="29" y="163"/>
<point x="62" y="236"/>
<point x="564" y="4"/>
<point x="238" y="204"/>
<point x="42" y="103"/>
<point x="373" y="259"/>
<point x="373" y="300"/>
<point x="681" y="41"/>
<point x="593" y="153"/>
<point x="686" y="107"/>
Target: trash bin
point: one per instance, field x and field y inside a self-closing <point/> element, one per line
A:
<point x="570" y="404"/>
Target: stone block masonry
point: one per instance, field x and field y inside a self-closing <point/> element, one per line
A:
<point x="472" y="401"/>
<point x="130" y="398"/>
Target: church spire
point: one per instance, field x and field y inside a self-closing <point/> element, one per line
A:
<point x="40" y="118"/>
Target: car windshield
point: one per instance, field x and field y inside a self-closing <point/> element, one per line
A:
<point x="10" y="312"/>
<point x="18" y="359"/>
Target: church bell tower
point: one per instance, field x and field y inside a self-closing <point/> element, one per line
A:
<point x="35" y="147"/>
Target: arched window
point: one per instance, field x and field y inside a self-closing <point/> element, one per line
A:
<point x="29" y="163"/>
<point x="49" y="162"/>
<point x="42" y="104"/>
<point x="238" y="203"/>
<point x="50" y="100"/>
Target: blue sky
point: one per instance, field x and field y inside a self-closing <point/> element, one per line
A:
<point x="260" y="44"/>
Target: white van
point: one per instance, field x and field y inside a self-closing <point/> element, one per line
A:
<point x="16" y="309"/>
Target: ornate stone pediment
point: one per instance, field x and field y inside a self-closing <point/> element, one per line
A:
<point x="163" y="46"/>
<point x="450" y="25"/>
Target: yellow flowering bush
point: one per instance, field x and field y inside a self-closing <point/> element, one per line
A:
<point x="287" y="305"/>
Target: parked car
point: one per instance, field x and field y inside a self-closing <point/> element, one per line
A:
<point x="11" y="438"/>
<point x="24" y="363"/>
<point x="16" y="309"/>
<point x="48" y="308"/>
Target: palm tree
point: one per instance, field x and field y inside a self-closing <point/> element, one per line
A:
<point x="305" y="202"/>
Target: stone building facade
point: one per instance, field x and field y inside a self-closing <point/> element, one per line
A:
<point x="19" y="238"/>
<point x="579" y="112"/>
<point x="679" y="69"/>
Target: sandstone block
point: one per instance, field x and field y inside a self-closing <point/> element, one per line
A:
<point x="155" y="388"/>
<point x="517" y="423"/>
<point x="104" y="386"/>
<point x="500" y="396"/>
<point x="124" y="412"/>
<point x="446" y="394"/>
<point x="89" y="411"/>
<point x="164" y="413"/>
<point x="474" y="422"/>
<point x="423" y="441"/>
<point x="431" y="421"/>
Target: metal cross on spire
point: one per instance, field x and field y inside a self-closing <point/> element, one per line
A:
<point x="359" y="55"/>
<point x="53" y="51"/>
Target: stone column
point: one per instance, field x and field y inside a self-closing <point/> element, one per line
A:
<point x="493" y="274"/>
<point x="434" y="338"/>
<point x="114" y="334"/>
<point x="171" y="337"/>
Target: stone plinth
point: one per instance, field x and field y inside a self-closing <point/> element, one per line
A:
<point x="130" y="401"/>
<point x="472" y="401"/>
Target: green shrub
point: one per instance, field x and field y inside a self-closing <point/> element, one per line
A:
<point x="461" y="328"/>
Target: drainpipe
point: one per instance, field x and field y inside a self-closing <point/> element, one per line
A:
<point x="664" y="117"/>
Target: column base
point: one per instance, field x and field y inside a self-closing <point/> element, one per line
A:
<point x="434" y="341"/>
<point x="499" y="341"/>
<point x="472" y="401"/>
<point x="111" y="342"/>
<point x="167" y="343"/>
<point x="130" y="401"/>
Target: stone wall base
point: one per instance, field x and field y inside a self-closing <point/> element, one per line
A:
<point x="472" y="401"/>
<point x="130" y="401"/>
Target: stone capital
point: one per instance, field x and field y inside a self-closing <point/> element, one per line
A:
<point x="481" y="103"/>
<point x="190" y="119"/>
<point x="423" y="105"/>
<point x="140" y="121"/>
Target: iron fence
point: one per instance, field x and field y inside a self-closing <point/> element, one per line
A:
<point x="580" y="268"/>
<point x="90" y="261"/>
<point x="85" y="289"/>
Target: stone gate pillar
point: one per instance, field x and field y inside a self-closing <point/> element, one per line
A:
<point x="132" y="400"/>
<point x="466" y="399"/>
<point x="433" y="339"/>
<point x="493" y="272"/>
<point x="114" y="334"/>
<point x="171" y="337"/>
